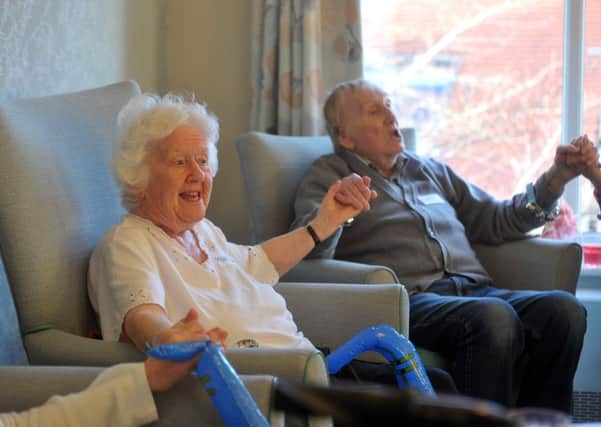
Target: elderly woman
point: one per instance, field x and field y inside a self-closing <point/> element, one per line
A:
<point x="166" y="257"/>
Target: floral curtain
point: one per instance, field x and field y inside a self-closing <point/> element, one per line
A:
<point x="300" y="50"/>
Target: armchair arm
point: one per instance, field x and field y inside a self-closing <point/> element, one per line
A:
<point x="535" y="263"/>
<point x="330" y="314"/>
<point x="337" y="271"/>
<point x="184" y="404"/>
<point x="33" y="385"/>
<point x="303" y="366"/>
<point x="56" y="347"/>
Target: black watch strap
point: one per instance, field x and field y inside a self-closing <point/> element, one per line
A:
<point x="313" y="234"/>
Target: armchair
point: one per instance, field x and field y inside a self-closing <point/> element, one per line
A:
<point x="273" y="167"/>
<point x="183" y="405"/>
<point x="58" y="198"/>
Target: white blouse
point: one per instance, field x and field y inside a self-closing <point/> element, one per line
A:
<point x="136" y="263"/>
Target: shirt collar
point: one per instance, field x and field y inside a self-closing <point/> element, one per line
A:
<point x="398" y="166"/>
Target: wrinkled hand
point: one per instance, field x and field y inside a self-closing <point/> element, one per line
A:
<point x="162" y="374"/>
<point x="578" y="157"/>
<point x="591" y="170"/>
<point x="332" y="213"/>
<point x="354" y="190"/>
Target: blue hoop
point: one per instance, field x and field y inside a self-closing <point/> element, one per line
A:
<point x="395" y="348"/>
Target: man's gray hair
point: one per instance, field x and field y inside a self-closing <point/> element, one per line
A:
<point x="147" y="119"/>
<point x="331" y="107"/>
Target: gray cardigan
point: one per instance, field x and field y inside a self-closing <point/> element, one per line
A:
<point x="423" y="220"/>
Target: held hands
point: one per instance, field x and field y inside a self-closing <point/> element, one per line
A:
<point x="578" y="157"/>
<point x="345" y="199"/>
<point x="162" y="374"/>
<point x="354" y="190"/>
<point x="592" y="172"/>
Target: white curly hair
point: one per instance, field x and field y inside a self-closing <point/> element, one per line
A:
<point x="147" y="119"/>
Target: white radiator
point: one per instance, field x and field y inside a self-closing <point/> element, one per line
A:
<point x="587" y="383"/>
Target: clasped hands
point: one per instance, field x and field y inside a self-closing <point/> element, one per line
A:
<point x="345" y="199"/>
<point x="579" y="157"/>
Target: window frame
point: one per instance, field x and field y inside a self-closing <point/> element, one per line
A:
<point x="573" y="84"/>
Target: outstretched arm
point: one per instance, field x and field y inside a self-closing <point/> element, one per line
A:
<point x="287" y="250"/>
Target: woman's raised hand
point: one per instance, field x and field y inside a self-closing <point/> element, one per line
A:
<point x="354" y="190"/>
<point x="344" y="200"/>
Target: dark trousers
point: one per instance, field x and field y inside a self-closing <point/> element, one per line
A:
<point x="518" y="348"/>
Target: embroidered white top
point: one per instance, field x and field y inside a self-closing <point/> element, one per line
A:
<point x="136" y="263"/>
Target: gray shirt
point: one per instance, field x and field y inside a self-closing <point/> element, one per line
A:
<point x="423" y="221"/>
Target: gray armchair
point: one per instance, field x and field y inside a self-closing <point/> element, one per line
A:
<point x="273" y="166"/>
<point x="183" y="405"/>
<point x="58" y="198"/>
<point x="187" y="404"/>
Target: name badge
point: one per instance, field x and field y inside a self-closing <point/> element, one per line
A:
<point x="431" y="199"/>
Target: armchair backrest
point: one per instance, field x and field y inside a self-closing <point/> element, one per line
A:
<point x="57" y="198"/>
<point x="272" y="168"/>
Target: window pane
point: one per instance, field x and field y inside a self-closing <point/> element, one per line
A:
<point x="481" y="80"/>
<point x="592" y="104"/>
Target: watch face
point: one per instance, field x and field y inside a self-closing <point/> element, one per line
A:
<point x="247" y="343"/>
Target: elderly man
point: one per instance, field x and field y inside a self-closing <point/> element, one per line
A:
<point x="519" y="348"/>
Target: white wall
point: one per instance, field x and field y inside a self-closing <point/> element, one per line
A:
<point x="199" y="46"/>
<point x="207" y="52"/>
<point x="55" y="46"/>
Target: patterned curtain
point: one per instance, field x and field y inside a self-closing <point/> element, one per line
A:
<point x="300" y="50"/>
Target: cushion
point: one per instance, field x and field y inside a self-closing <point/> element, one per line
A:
<point x="58" y="198"/>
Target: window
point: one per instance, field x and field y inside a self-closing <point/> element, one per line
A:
<point x="482" y="83"/>
<point x="591" y="110"/>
